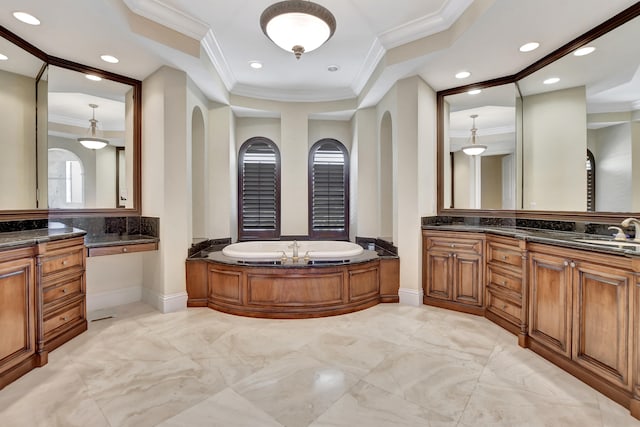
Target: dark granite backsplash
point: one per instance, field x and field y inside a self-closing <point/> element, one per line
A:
<point x="23" y="225"/>
<point x="383" y="247"/>
<point x="211" y="245"/>
<point x="571" y="226"/>
<point x="122" y="225"/>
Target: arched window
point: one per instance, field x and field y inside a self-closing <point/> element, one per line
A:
<point x="329" y="190"/>
<point x="258" y="190"/>
<point x="65" y="180"/>
<point x="591" y="182"/>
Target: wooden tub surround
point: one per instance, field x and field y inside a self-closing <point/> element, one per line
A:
<point x="291" y="290"/>
<point x="575" y="304"/>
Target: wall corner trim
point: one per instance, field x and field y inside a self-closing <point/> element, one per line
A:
<point x="410" y="296"/>
<point x="165" y="303"/>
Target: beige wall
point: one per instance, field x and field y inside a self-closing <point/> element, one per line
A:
<point x="491" y="187"/>
<point x="462" y="180"/>
<point x="554" y="149"/>
<point x="364" y="175"/>
<point x="635" y="154"/>
<point x="18" y="142"/>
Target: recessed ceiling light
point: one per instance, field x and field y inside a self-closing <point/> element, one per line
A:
<point x="552" y="80"/>
<point x="463" y="75"/>
<point x="26" y="18"/>
<point x="584" y="51"/>
<point x="528" y="47"/>
<point x="474" y="91"/>
<point x="256" y="65"/>
<point x="93" y="77"/>
<point x="3" y="57"/>
<point x="110" y="59"/>
<point x="333" y="68"/>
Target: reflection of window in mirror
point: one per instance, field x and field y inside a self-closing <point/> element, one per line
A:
<point x="591" y="182"/>
<point x="121" y="178"/>
<point x="66" y="179"/>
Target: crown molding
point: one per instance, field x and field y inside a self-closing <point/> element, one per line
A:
<point x="373" y="58"/>
<point x="277" y="94"/>
<point x="168" y="16"/>
<point x="212" y="48"/>
<point x="426" y="25"/>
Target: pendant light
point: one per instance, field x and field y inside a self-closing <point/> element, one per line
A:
<point x="474" y="149"/>
<point x="92" y="139"/>
<point x="298" y="26"/>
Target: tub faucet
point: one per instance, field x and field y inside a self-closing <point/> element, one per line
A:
<point x="627" y="222"/>
<point x="295" y="247"/>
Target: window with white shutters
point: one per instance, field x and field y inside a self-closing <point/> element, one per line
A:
<point x="328" y="190"/>
<point x="258" y="190"/>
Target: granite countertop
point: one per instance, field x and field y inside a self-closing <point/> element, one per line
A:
<point x="217" y="256"/>
<point x="115" y="239"/>
<point x="15" y="239"/>
<point x="551" y="237"/>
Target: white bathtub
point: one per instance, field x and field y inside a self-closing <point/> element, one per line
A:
<point x="268" y="250"/>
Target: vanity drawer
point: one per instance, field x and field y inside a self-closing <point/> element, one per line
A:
<point x="67" y="289"/>
<point x="63" y="317"/>
<point x="499" y="277"/>
<point x="64" y="261"/>
<point x="454" y="244"/>
<point x="500" y="254"/>
<point x="500" y="305"/>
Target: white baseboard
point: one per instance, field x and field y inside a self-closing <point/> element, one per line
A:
<point x="410" y="296"/>
<point x="165" y="303"/>
<point x="101" y="300"/>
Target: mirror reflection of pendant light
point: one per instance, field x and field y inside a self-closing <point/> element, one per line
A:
<point x="298" y="26"/>
<point x="92" y="139"/>
<point x="474" y="149"/>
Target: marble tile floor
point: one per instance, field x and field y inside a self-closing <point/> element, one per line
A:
<point x="390" y="365"/>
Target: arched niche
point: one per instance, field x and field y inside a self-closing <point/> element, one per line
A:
<point x="198" y="176"/>
<point x="386" y="177"/>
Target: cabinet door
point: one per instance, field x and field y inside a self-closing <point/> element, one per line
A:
<point x="601" y="341"/>
<point x="467" y="278"/>
<point x="17" y="312"/>
<point x="438" y="280"/>
<point x="550" y="302"/>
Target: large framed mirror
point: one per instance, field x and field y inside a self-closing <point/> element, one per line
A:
<point x="576" y="140"/>
<point x="46" y="170"/>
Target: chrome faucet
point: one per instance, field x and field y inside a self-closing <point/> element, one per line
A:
<point x="627" y="223"/>
<point x="295" y="247"/>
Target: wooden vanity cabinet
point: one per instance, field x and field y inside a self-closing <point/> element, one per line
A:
<point x="62" y="291"/>
<point x="452" y="270"/>
<point x="580" y="309"/>
<point x="505" y="290"/>
<point x="17" y="314"/>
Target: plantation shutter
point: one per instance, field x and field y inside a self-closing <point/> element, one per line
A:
<point x="259" y="191"/>
<point x="328" y="201"/>
<point x="591" y="182"/>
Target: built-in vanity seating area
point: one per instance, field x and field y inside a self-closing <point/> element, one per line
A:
<point x="292" y="287"/>
<point x="568" y="290"/>
<point x="43" y="280"/>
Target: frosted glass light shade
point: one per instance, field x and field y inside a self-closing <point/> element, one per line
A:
<point x="297" y="26"/>
<point x="93" y="143"/>
<point x="474" y="150"/>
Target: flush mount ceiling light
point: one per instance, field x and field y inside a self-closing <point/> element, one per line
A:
<point x="298" y="26"/>
<point x="110" y="59"/>
<point x="528" y="47"/>
<point x="551" y="81"/>
<point x="474" y="149"/>
<point x="584" y="51"/>
<point x="92" y="139"/>
<point x="93" y="77"/>
<point x="3" y="57"/>
<point x="26" y="18"/>
<point x="256" y="65"/>
<point x="474" y="91"/>
<point x="333" y="68"/>
<point x="463" y="75"/>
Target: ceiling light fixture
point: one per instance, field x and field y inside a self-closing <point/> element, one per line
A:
<point x="463" y="75"/>
<point x="528" y="47"/>
<point x="584" y="51"/>
<point x="551" y="81"/>
<point x="3" y="57"/>
<point x="26" y="18"/>
<point x="298" y="26"/>
<point x="474" y="149"/>
<point x="93" y="77"/>
<point x="474" y="91"/>
<point x="110" y="59"/>
<point x="333" y="68"/>
<point x="92" y="139"/>
<point x="256" y="65"/>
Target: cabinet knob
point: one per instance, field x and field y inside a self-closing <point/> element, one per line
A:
<point x="504" y="306"/>
<point x="455" y="255"/>
<point x="64" y="319"/>
<point x="573" y="264"/>
<point x="124" y="249"/>
<point x="453" y="246"/>
<point x="504" y="257"/>
<point x="504" y="282"/>
<point x="64" y="290"/>
<point x="64" y="262"/>
<point x="566" y="263"/>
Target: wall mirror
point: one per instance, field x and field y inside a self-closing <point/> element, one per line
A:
<point x="45" y="170"/>
<point x="577" y="134"/>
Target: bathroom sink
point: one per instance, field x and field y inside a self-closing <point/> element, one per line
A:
<point x="610" y="242"/>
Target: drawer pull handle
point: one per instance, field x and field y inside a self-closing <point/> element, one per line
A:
<point x="64" y="319"/>
<point x="64" y="262"/>
<point x="504" y="306"/>
<point x="64" y="290"/>
<point x="504" y="257"/>
<point x="504" y="282"/>
<point x="124" y="249"/>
